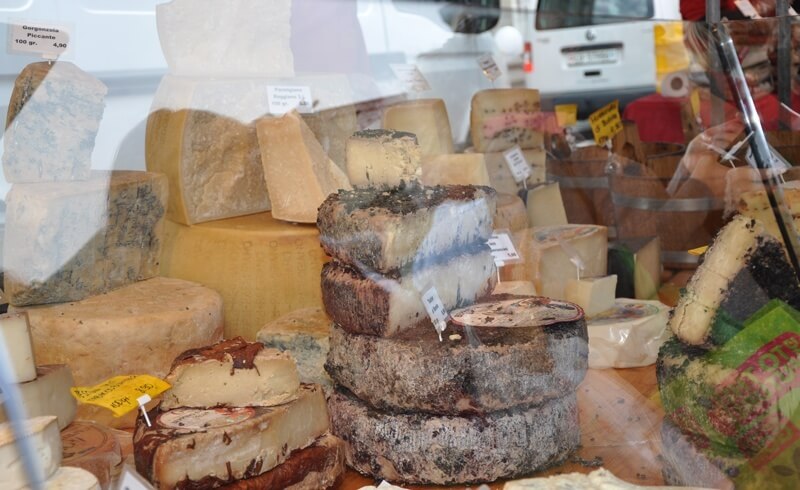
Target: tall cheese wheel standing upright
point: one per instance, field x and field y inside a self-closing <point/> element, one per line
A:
<point x="506" y="117"/>
<point x="262" y="267"/>
<point x="426" y="118"/>
<point x="138" y="329"/>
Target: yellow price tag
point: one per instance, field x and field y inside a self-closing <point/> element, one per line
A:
<point x="566" y="114"/>
<point x="606" y="122"/>
<point x="119" y="394"/>
<point x="698" y="251"/>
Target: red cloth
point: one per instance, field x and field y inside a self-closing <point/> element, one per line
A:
<point x="696" y="9"/>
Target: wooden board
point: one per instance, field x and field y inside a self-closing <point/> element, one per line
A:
<point x="620" y="417"/>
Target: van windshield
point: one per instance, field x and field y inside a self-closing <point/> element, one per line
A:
<point x="558" y="14"/>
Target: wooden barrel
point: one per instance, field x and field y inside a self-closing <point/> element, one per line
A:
<point x="642" y="207"/>
<point x="787" y="143"/>
<point x="583" y="180"/>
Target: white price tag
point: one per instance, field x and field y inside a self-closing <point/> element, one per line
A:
<point x="503" y="249"/>
<point x="46" y="40"/>
<point x="747" y="9"/>
<point x="411" y="77"/>
<point x="283" y="99"/>
<point x="130" y="480"/>
<point x="436" y="310"/>
<point x="489" y="67"/>
<point x="519" y="167"/>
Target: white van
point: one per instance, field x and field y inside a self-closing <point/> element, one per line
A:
<point x="591" y="52"/>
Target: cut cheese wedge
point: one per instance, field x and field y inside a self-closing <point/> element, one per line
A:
<point x="383" y="158"/>
<point x="426" y="118"/>
<point x="48" y="394"/>
<point x="45" y="439"/>
<point x="594" y="295"/>
<point x="15" y="334"/>
<point x="504" y="118"/>
<point x="458" y="169"/>
<point x="546" y="206"/>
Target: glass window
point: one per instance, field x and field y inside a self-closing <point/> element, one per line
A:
<point x="557" y="14"/>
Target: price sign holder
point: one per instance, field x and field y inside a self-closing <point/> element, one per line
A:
<point x="519" y="167"/>
<point x="50" y="41"/>
<point x="436" y="310"/>
<point x="606" y="123"/>
<point x="489" y="67"/>
<point x="503" y="249"/>
<point x="283" y="99"/>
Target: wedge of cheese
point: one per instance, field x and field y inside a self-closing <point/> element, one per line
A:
<point x="15" y="334"/>
<point x="426" y="118"/>
<point x="503" y="118"/>
<point x="459" y="169"/>
<point x="52" y="122"/>
<point x="299" y="173"/>
<point x="231" y="373"/>
<point x="48" y="394"/>
<point x="594" y="295"/>
<point x="546" y="206"/>
<point x="511" y="214"/>
<point x="65" y="241"/>
<point x="637" y="264"/>
<point x="383" y="158"/>
<point x="43" y="435"/>
<point x="188" y="445"/>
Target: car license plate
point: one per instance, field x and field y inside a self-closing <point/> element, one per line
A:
<point x="594" y="57"/>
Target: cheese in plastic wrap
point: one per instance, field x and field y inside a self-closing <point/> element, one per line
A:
<point x="628" y="335"/>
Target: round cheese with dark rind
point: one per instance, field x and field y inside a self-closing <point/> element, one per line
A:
<point x="690" y="461"/>
<point x="443" y="450"/>
<point x="520" y="351"/>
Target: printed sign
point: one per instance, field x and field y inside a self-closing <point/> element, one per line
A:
<point x="489" y="67"/>
<point x="283" y="99"/>
<point x="503" y="249"/>
<point x="520" y="168"/>
<point x="606" y="123"/>
<point x="411" y="77"/>
<point x="436" y="310"/>
<point x="46" y="40"/>
<point x="120" y="393"/>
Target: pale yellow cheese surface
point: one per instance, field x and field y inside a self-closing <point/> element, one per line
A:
<point x="427" y="118"/>
<point x="455" y="169"/>
<point x="546" y="206"/>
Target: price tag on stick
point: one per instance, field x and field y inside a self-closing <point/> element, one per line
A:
<point x="489" y="67"/>
<point x="503" y="249"/>
<point x="436" y="310"/>
<point x="520" y="168"/>
<point x="46" y="40"/>
<point x="606" y="123"/>
<point x="121" y="394"/>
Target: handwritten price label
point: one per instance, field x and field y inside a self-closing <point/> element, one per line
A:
<point x="517" y="164"/>
<point x="47" y="40"/>
<point x="436" y="310"/>
<point x="120" y="393"/>
<point x="606" y="122"/>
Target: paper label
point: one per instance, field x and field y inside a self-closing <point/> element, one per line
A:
<point x="46" y="40"/>
<point x="489" y="67"/>
<point x="606" y="123"/>
<point x="436" y="310"/>
<point x="411" y="77"/>
<point x="566" y="114"/>
<point x="747" y="9"/>
<point x="520" y="168"/>
<point x="119" y="394"/>
<point x="131" y="480"/>
<point x="503" y="249"/>
<point x="283" y="99"/>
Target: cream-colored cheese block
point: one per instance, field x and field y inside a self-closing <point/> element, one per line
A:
<point x="228" y="443"/>
<point x="299" y="174"/>
<point x="594" y="294"/>
<point x="262" y="267"/>
<point x="459" y="168"/>
<point x="511" y="214"/>
<point x="247" y="37"/>
<point x="231" y="373"/>
<point x="65" y="241"/>
<point x="94" y="448"/>
<point x="71" y="478"/>
<point x="383" y="157"/>
<point x="15" y="336"/>
<point x="546" y="206"/>
<point x="137" y="329"/>
<point x="426" y="118"/>
<point x="601" y="479"/>
<point x="304" y="334"/>
<point x="503" y="118"/>
<point x="627" y="335"/>
<point x="51" y="125"/>
<point x="48" y="394"/>
<point x="547" y="252"/>
<point x="501" y="177"/>
<point x="519" y="288"/>
<point x="45" y="439"/>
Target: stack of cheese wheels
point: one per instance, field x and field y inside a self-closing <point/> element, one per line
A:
<point x="237" y="416"/>
<point x="245" y="177"/>
<point x="82" y="248"/>
<point x="477" y="406"/>
<point x="728" y="377"/>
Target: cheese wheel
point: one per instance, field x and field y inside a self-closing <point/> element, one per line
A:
<point x="48" y="394"/>
<point x="445" y="450"/>
<point x="506" y="368"/>
<point x="45" y="441"/>
<point x="262" y="267"/>
<point x="511" y="214"/>
<point x="94" y="448"/>
<point x="138" y="329"/>
<point x="71" y="478"/>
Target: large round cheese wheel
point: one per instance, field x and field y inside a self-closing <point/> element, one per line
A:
<point x="137" y="329"/>
<point x="94" y="448"/>
<point x="262" y="267"/>
<point x="483" y="370"/>
<point x="444" y="450"/>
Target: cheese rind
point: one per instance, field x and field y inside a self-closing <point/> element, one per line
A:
<point x="138" y="329"/>
<point x="71" y="478"/>
<point x="594" y="295"/>
<point x="231" y="373"/>
<point x="511" y="214"/>
<point x="503" y="118"/>
<point x="46" y="442"/>
<point x="51" y="125"/>
<point x="303" y="334"/>
<point x="93" y="448"/>
<point x="546" y="206"/>
<point x="388" y="230"/>
<point x="378" y="305"/>
<point x="16" y="338"/>
<point x="426" y="118"/>
<point x="48" y="394"/>
<point x="299" y="173"/>
<point x="65" y="241"/>
<point x="186" y="445"/>
<point x="383" y="158"/>
<point x="262" y="267"/>
<point x="455" y="169"/>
